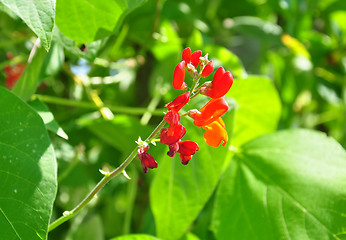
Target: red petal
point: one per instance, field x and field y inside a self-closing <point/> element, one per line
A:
<point x="210" y="112"/>
<point x="179" y="76"/>
<point x="220" y="85"/>
<point x="177" y="133"/>
<point x="185" y="159"/>
<point x="208" y="69"/>
<point x="173" y="148"/>
<point x="188" y="147"/>
<point x="195" y="57"/>
<point x="178" y="102"/>
<point x="187" y="55"/>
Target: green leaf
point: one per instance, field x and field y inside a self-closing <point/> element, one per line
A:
<point x="30" y="79"/>
<point x="286" y="185"/>
<point x="48" y="118"/>
<point x="37" y="14"/>
<point x="27" y="171"/>
<point x="178" y="193"/>
<point x="86" y="21"/>
<point x="223" y="57"/>
<point x="258" y="108"/>
<point x="136" y="237"/>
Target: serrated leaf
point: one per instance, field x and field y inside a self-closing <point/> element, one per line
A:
<point x="86" y="21"/>
<point x="258" y="108"/>
<point x="48" y="118"/>
<point x="37" y="14"/>
<point x="286" y="185"/>
<point x="27" y="171"/>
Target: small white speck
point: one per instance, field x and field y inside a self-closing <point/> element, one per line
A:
<point x="15" y="190"/>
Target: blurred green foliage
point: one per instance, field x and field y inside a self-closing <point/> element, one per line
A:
<point x="119" y="61"/>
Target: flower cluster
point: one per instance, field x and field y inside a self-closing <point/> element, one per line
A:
<point x="208" y="117"/>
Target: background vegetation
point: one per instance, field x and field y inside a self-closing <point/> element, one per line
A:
<point x="100" y="77"/>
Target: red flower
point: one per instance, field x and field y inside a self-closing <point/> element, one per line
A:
<point x="178" y="102"/>
<point x="173" y="136"/>
<point x="216" y="133"/>
<point x="222" y="82"/>
<point x="13" y="74"/>
<point x="208" y="69"/>
<point x="179" y="76"/>
<point x="186" y="150"/>
<point x="210" y="112"/>
<point x="146" y="159"/>
<point x="195" y="58"/>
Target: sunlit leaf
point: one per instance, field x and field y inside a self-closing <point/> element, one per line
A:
<point x="37" y="14"/>
<point x="27" y="171"/>
<point x="85" y="21"/>
<point x="286" y="185"/>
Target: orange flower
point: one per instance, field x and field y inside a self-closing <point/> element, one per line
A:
<point x="216" y="133"/>
<point x="209" y="112"/>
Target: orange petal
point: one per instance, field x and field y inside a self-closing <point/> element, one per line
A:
<point x="216" y="133"/>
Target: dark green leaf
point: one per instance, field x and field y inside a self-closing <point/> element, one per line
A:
<point x="37" y="14"/>
<point x="27" y="171"/>
<point x="286" y="185"/>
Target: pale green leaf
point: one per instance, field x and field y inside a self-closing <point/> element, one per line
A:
<point x="286" y="185"/>
<point x="258" y="108"/>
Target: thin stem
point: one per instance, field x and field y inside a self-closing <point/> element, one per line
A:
<point x="107" y="177"/>
<point x="92" y="106"/>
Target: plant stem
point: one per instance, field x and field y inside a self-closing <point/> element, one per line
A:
<point x="107" y="177"/>
<point x="92" y="106"/>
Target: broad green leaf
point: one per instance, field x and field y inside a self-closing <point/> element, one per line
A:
<point x="86" y="21"/>
<point x="30" y="79"/>
<point x="178" y="193"/>
<point x="27" y="171"/>
<point x="37" y="14"/>
<point x="286" y="185"/>
<point x="223" y="57"/>
<point x="258" y="108"/>
<point x="136" y="237"/>
<point x="48" y="118"/>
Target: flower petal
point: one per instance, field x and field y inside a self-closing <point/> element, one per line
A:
<point x="210" y="112"/>
<point x="178" y="102"/>
<point x="216" y="133"/>
<point x="179" y="76"/>
<point x="195" y="58"/>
